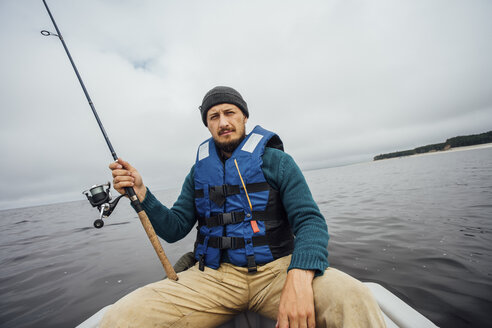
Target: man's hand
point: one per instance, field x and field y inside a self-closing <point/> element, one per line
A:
<point x="297" y="300"/>
<point x="125" y="175"/>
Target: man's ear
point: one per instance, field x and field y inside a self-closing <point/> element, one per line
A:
<point x="245" y="119"/>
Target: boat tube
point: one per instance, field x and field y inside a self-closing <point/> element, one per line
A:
<point x="396" y="313"/>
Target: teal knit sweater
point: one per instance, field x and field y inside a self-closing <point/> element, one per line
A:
<point x="283" y="174"/>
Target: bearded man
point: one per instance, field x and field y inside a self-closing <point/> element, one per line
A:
<point x="261" y="242"/>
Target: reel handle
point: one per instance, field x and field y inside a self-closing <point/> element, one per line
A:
<point x="99" y="223"/>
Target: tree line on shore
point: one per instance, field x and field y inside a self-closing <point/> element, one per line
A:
<point x="460" y="141"/>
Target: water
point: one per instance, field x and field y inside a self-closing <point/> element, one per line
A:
<point x="421" y="226"/>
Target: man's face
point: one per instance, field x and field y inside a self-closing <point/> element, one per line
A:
<point x="227" y="124"/>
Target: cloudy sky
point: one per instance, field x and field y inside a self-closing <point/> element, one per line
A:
<point x="339" y="80"/>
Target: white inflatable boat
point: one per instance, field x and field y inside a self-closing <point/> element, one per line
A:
<point x="396" y="314"/>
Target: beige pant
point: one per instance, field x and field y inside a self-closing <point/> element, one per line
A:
<point x="212" y="297"/>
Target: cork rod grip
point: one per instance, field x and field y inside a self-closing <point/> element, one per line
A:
<point x="149" y="229"/>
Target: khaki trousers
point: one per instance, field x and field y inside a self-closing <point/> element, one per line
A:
<point x="212" y="297"/>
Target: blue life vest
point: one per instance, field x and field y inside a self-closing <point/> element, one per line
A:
<point x="224" y="215"/>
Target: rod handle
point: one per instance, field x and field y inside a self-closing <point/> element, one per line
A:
<point x="149" y="229"/>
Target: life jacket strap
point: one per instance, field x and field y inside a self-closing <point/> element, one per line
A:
<point x="201" y="259"/>
<point x="229" y="190"/>
<point x="201" y="263"/>
<point x="274" y="238"/>
<point x="237" y="217"/>
<point x="222" y="219"/>
<point x="231" y="242"/>
<point x="251" y="264"/>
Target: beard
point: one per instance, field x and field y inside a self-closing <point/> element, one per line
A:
<point x="230" y="146"/>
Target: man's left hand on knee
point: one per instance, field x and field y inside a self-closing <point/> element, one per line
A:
<point x="296" y="307"/>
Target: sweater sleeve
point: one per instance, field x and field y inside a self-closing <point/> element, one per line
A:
<point x="307" y="222"/>
<point x="173" y="224"/>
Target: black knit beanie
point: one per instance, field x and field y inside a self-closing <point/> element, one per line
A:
<point x="222" y="95"/>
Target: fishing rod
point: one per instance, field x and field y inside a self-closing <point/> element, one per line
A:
<point x="98" y="195"/>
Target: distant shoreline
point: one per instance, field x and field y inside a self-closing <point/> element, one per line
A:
<point x="450" y="150"/>
<point x="474" y="141"/>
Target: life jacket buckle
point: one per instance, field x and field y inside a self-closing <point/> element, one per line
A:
<point x="227" y="243"/>
<point x="227" y="218"/>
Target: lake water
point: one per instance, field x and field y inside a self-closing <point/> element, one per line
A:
<point x="421" y="226"/>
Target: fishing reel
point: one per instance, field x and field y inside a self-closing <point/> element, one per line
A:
<point x="99" y="196"/>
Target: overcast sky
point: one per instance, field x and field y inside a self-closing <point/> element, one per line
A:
<point x="339" y="81"/>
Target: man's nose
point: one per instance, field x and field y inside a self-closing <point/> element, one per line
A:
<point x="223" y="122"/>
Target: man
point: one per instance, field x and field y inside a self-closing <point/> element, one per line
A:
<point x="261" y="240"/>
